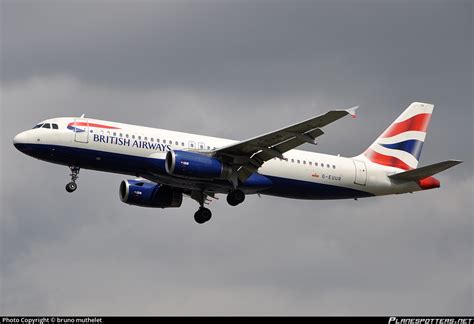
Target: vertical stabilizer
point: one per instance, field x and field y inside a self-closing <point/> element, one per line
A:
<point x="400" y="144"/>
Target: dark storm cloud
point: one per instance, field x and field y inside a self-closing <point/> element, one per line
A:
<point x="296" y="46"/>
<point x="236" y="70"/>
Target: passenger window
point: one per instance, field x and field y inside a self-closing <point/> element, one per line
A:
<point x="310" y="163"/>
<point x="322" y="165"/>
<point x="182" y="144"/>
<point x="152" y="139"/>
<point x="304" y="162"/>
<point x="55" y="126"/>
<point x="292" y="160"/>
<point x="192" y="145"/>
<point x="139" y="138"/>
<point x="133" y="136"/>
<point x="176" y="143"/>
<point x="298" y="161"/>
<point x="121" y="135"/>
<point x="328" y="165"/>
<point x="146" y="138"/>
<point x="46" y="126"/>
<point x="333" y="166"/>
<point x="157" y="140"/>
<point x="126" y="135"/>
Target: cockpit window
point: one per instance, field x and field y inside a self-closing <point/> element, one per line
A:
<point x="55" y="126"/>
<point x="46" y="126"/>
<point x="38" y="126"/>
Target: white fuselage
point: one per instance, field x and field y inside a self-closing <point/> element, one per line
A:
<point x="140" y="151"/>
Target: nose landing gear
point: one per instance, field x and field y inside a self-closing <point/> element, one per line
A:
<point x="72" y="186"/>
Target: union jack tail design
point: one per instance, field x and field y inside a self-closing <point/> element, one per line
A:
<point x="400" y="144"/>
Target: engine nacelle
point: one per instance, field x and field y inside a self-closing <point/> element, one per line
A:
<point x="147" y="194"/>
<point x="195" y="166"/>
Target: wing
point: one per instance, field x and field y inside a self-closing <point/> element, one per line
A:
<point x="249" y="155"/>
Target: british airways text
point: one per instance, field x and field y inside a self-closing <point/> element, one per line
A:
<point x="131" y="143"/>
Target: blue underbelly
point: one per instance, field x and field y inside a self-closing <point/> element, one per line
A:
<point x="141" y="166"/>
<point x="298" y="189"/>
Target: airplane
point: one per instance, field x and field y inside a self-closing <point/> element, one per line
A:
<point x="169" y="165"/>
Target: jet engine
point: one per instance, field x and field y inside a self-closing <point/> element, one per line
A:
<point x="193" y="165"/>
<point x="148" y="194"/>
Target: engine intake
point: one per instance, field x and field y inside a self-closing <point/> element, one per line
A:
<point x="195" y="166"/>
<point x="147" y="194"/>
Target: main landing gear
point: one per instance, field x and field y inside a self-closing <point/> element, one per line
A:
<point x="202" y="215"/>
<point x="235" y="197"/>
<point x="72" y="186"/>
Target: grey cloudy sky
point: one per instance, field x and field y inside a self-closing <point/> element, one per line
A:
<point x="236" y="69"/>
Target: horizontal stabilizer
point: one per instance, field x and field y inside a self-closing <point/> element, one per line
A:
<point x="424" y="172"/>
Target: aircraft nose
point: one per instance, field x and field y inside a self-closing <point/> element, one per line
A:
<point x="19" y="141"/>
<point x="19" y="138"/>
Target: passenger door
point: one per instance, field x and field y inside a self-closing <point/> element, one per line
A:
<point x="81" y="130"/>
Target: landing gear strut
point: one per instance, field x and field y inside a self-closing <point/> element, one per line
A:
<point x="235" y="197"/>
<point x="72" y="186"/>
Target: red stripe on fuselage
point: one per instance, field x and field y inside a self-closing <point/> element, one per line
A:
<point x="92" y="125"/>
<point x="386" y="160"/>
<point x="416" y="123"/>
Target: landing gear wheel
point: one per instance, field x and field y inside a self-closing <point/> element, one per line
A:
<point x="202" y="215"/>
<point x="71" y="187"/>
<point x="235" y="197"/>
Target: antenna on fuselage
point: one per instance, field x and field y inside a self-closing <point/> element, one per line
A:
<point x="82" y="116"/>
